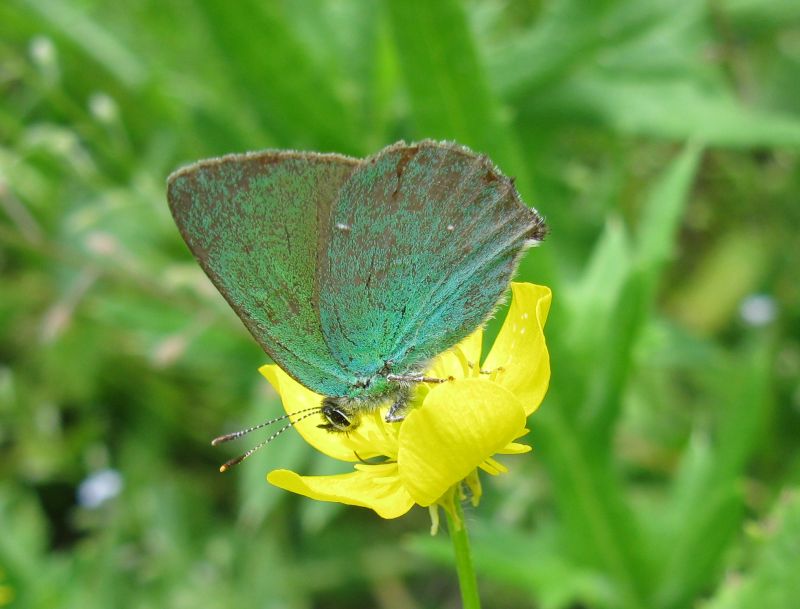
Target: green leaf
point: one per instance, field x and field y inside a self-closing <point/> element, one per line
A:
<point x="599" y="529"/>
<point x="450" y="97"/>
<point x="570" y="36"/>
<point x="775" y="12"/>
<point x="449" y="94"/>
<point x="663" y="212"/>
<point x="771" y="581"/>
<point x="656" y="234"/>
<point x="100" y="44"/>
<point x="593" y="296"/>
<point x="674" y="109"/>
<point x="706" y="505"/>
<point x="291" y="93"/>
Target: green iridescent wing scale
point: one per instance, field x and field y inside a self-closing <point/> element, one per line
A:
<point x="421" y="244"/>
<point x="252" y="221"/>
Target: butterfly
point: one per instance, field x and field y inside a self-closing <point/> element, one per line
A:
<point x="352" y="274"/>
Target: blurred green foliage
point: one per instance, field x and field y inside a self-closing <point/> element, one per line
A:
<point x="660" y="138"/>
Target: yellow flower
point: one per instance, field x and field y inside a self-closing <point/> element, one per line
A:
<point x="453" y="428"/>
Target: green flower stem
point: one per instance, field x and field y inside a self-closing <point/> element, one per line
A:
<point x="466" y="572"/>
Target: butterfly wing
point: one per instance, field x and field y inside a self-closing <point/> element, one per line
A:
<point x="422" y="243"/>
<point x="251" y="221"/>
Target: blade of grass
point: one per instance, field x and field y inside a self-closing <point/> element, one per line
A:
<point x="291" y="94"/>
<point x="590" y="306"/>
<point x="98" y="43"/>
<point x="655" y="240"/>
<point x="448" y="92"/>
<point x="597" y="517"/>
<point x="663" y="212"/>
<point x="674" y="108"/>
<point x="707" y="509"/>
<point x="449" y="95"/>
<point x="772" y="583"/>
<point x="598" y="525"/>
<point x="566" y="34"/>
<point x="570" y="35"/>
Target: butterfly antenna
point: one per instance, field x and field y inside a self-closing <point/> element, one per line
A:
<point x="238" y="434"/>
<point x="229" y="464"/>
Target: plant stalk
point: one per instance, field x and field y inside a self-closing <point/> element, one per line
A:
<point x="466" y="572"/>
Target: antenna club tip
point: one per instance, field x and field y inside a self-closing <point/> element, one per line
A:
<point x="226" y="438"/>
<point x="223" y="468"/>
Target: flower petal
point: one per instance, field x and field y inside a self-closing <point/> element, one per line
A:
<point x="519" y="354"/>
<point x="471" y="347"/>
<point x="365" y="440"/>
<point x="514" y="449"/>
<point x="459" y="361"/>
<point x="376" y="487"/>
<point x="457" y="428"/>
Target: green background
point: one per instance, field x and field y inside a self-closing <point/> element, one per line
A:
<point x="660" y="138"/>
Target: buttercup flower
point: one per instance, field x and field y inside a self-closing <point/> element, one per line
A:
<point x="453" y="429"/>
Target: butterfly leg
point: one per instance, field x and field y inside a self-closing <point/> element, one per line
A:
<point x="399" y="408"/>
<point x="416" y="378"/>
<point x="498" y="369"/>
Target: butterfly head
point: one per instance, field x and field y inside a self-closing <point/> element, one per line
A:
<point x="338" y="417"/>
<point x="367" y="393"/>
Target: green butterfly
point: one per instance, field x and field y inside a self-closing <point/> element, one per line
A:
<point x="353" y="273"/>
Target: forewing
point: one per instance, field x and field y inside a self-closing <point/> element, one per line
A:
<point x="252" y="223"/>
<point x="423" y="242"/>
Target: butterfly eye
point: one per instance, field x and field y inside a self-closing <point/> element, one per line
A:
<point x="336" y="418"/>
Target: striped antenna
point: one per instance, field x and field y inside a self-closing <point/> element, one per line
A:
<point x="238" y="434"/>
<point x="229" y="464"/>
